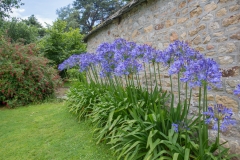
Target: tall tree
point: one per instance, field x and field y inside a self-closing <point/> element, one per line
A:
<point x="32" y="21"/>
<point x="7" y="5"/>
<point x="69" y="15"/>
<point x="92" y="12"/>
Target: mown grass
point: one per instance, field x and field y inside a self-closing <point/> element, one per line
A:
<point x="47" y="131"/>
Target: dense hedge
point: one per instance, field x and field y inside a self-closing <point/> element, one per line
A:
<point x="25" y="77"/>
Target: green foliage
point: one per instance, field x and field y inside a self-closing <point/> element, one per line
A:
<point x="70" y="16"/>
<point x="7" y="5"/>
<point x="25" y="77"/>
<point x="82" y="97"/>
<point x="18" y="31"/>
<point x="59" y="44"/>
<point x="86" y="14"/>
<point x="74" y="75"/>
<point x="32" y="21"/>
<point x="138" y="124"/>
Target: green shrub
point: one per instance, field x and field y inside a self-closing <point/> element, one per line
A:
<point x="25" y="77"/>
<point x="19" y="31"/>
<point x="82" y="97"/>
<point x="59" y="44"/>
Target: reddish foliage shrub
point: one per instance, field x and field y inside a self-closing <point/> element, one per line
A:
<point x="25" y="76"/>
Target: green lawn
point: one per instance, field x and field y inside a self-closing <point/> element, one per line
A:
<point x="47" y="131"/>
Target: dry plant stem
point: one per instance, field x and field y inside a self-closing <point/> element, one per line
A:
<point x="94" y="74"/>
<point x="89" y="76"/>
<point x="138" y="81"/>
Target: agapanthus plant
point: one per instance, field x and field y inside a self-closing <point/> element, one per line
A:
<point x="120" y="59"/>
<point x="219" y="114"/>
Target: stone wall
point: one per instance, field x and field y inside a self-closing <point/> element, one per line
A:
<point x="210" y="26"/>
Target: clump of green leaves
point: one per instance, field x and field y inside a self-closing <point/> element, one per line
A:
<point x="82" y="98"/>
<point x="19" y="31"/>
<point x="59" y="43"/>
<point x="25" y="77"/>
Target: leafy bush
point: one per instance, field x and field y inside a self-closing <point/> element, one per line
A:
<point x="59" y="44"/>
<point x="82" y="98"/>
<point x="18" y="31"/>
<point x="25" y="77"/>
<point x="145" y="122"/>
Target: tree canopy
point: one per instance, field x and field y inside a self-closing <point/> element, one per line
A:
<point x="70" y="15"/>
<point x="60" y="43"/>
<point x="32" y="21"/>
<point x="7" y="5"/>
<point x="88" y="13"/>
<point x="17" y="30"/>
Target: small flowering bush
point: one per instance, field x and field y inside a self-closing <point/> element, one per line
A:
<point x="144" y="122"/>
<point x="25" y="77"/>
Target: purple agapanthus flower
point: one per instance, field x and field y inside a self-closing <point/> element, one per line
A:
<point x="86" y="60"/>
<point x="123" y="50"/>
<point x="125" y="58"/>
<point x="70" y="62"/>
<point x="176" y="66"/>
<point x="180" y="126"/>
<point x="105" y="57"/>
<point x="237" y="90"/>
<point x="178" y="55"/>
<point x="128" y="67"/>
<point x="202" y="70"/>
<point x="219" y="113"/>
<point x="175" y="127"/>
<point x="146" y="53"/>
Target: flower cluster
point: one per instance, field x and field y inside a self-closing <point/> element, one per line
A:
<point x="105" y="55"/>
<point x="202" y="70"/>
<point x="86" y="60"/>
<point x="70" y="62"/>
<point x="219" y="114"/>
<point x="237" y="90"/>
<point x="124" y="58"/>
